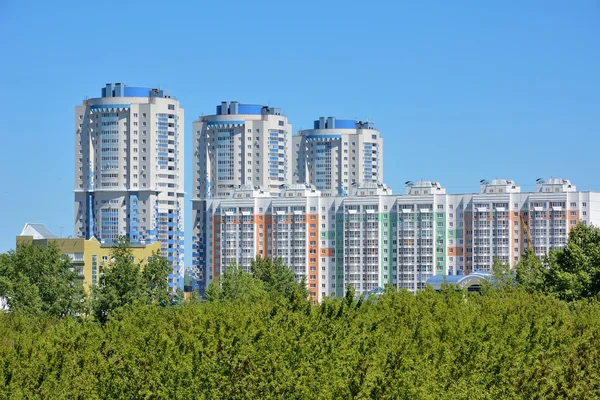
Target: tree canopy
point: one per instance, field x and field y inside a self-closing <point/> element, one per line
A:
<point x="39" y="280"/>
<point x="124" y="282"/>
<point x="259" y="336"/>
<point x="451" y="344"/>
<point x="571" y="273"/>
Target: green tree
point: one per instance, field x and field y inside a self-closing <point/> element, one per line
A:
<point x="154" y="279"/>
<point x="38" y="279"/>
<point x="278" y="278"/>
<point x="531" y="273"/>
<point x="502" y="276"/>
<point x="574" y="271"/>
<point x="236" y="285"/>
<point x="123" y="283"/>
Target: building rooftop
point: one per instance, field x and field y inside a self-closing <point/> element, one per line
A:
<point x="554" y="185"/>
<point x="360" y="189"/>
<point x="334" y="123"/>
<point x="38" y="231"/>
<point x="473" y="279"/>
<point x="235" y="108"/>
<point x="424" y="188"/>
<point x="122" y="90"/>
<point x="498" y="185"/>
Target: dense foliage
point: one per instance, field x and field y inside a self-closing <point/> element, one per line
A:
<point x="39" y="280"/>
<point x="124" y="282"/>
<point x="571" y="273"/>
<point x="399" y="345"/>
<point x="258" y="335"/>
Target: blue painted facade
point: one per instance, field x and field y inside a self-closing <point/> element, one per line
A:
<point x="90" y="216"/>
<point x="122" y="90"/>
<point x="317" y="137"/>
<point x="234" y="108"/>
<point x="133" y="217"/>
<point x="101" y="106"/>
<point x="334" y="123"/>
<point x="230" y="122"/>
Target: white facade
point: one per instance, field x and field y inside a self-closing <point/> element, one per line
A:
<point x="243" y="144"/>
<point x="129" y="169"/>
<point x="371" y="238"/>
<point x="337" y="154"/>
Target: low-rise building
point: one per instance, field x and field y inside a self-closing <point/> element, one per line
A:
<point x="88" y="255"/>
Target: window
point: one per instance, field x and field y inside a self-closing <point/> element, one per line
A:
<point x="171" y="106"/>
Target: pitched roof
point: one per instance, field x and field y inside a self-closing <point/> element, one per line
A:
<point x="38" y="231"/>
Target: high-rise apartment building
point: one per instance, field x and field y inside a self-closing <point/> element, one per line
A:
<point x="129" y="170"/>
<point x="338" y="153"/>
<point x="242" y="144"/>
<point x="371" y="238"/>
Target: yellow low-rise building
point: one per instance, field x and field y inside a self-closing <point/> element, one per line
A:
<point x="88" y="255"/>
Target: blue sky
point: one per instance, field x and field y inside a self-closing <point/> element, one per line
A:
<point x="460" y="90"/>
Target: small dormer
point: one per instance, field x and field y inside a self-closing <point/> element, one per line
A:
<point x="554" y="185"/>
<point x="249" y="191"/>
<point x="299" y="190"/>
<point x="498" y="186"/>
<point x="370" y="189"/>
<point x="424" y="188"/>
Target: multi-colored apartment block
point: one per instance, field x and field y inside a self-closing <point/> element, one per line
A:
<point x="371" y="238"/>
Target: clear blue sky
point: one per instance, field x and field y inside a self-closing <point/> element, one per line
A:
<point x="460" y="90"/>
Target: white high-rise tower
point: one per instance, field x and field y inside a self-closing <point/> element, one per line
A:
<point x="242" y="145"/>
<point x="338" y="153"/>
<point x="129" y="170"/>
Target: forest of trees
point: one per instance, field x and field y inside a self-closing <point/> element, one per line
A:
<point x="534" y="332"/>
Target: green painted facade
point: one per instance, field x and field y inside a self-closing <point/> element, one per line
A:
<point x="385" y="233"/>
<point x="440" y="243"/>
<point x="339" y="254"/>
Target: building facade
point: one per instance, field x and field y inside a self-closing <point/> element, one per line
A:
<point x="242" y="144"/>
<point x="129" y="170"/>
<point x="371" y="238"/>
<point x="87" y="255"/>
<point x="337" y="153"/>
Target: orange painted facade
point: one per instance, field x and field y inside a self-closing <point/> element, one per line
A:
<point x="312" y="227"/>
<point x="454" y="251"/>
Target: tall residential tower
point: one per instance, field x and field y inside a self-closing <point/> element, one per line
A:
<point x="129" y="170"/>
<point x="242" y="145"/>
<point x="338" y="153"/>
